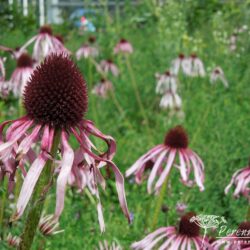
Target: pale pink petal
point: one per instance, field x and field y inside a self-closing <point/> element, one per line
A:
<point x="67" y="162"/>
<point x="167" y="169"/>
<point x="155" y="169"/>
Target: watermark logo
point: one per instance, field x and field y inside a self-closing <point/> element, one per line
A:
<point x="219" y="223"/>
<point x="207" y="222"/>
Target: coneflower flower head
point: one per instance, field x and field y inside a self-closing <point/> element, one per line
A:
<point x="46" y="29"/>
<point x="196" y="66"/>
<point x="241" y="180"/>
<point x="21" y="74"/>
<point x="55" y="100"/>
<point x="176" y="138"/>
<point x="86" y="51"/>
<point x="188" y="228"/>
<point x="45" y="44"/>
<point x="175" y="144"/>
<point x="24" y="61"/>
<point x="181" y="63"/>
<point x="107" y="66"/>
<point x="166" y="82"/>
<point x="102" y="88"/>
<point x="123" y="46"/>
<point x="185" y="236"/>
<point x="56" y="95"/>
<point x="218" y="75"/>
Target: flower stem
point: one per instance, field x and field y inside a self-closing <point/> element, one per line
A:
<point x="248" y="213"/>
<point x="2" y="206"/>
<point x="137" y="94"/>
<point x="159" y="204"/>
<point x="90" y="90"/>
<point x="38" y="199"/>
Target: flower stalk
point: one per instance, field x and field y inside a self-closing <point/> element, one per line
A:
<point x="248" y="213"/>
<point x="137" y="94"/>
<point x="159" y="204"/>
<point x="38" y="199"/>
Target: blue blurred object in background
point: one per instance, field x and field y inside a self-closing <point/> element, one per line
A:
<point x="81" y="21"/>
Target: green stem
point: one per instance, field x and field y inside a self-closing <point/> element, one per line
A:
<point x="159" y="204"/>
<point x="17" y="185"/>
<point x="2" y="206"/>
<point x="38" y="199"/>
<point x="137" y="94"/>
<point x="248" y="213"/>
<point x="90" y="78"/>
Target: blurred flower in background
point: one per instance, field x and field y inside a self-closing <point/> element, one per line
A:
<point x="21" y="74"/>
<point x="123" y="47"/>
<point x="102" y="88"/>
<point x="218" y="75"/>
<point x="241" y="180"/>
<point x="108" y="66"/>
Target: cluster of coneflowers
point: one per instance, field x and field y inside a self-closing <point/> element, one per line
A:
<point x="189" y="66"/>
<point x="106" y="66"/>
<point x="38" y="145"/>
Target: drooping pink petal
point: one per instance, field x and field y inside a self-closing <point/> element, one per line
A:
<point x="143" y="159"/>
<point x="119" y="180"/>
<point x="167" y="169"/>
<point x="67" y="162"/>
<point x="155" y="169"/>
<point x="28" y="141"/>
<point x="32" y="177"/>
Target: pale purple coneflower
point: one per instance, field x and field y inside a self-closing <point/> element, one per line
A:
<point x="45" y="44"/>
<point x="170" y="100"/>
<point x="105" y="246"/>
<point x="196" y="66"/>
<point x="49" y="226"/>
<point x="218" y="75"/>
<point x="55" y="100"/>
<point x="165" y="82"/>
<point x="185" y="236"/>
<point x="124" y="47"/>
<point x="86" y="51"/>
<point x="103" y="88"/>
<point x="241" y="180"/>
<point x="108" y="66"/>
<point x="181" y="63"/>
<point x="239" y="240"/>
<point x="164" y="156"/>
<point x="21" y="74"/>
<point x="13" y="241"/>
<point x="5" y="88"/>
